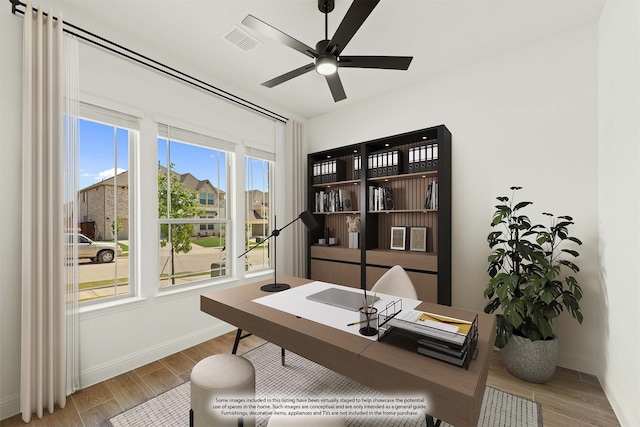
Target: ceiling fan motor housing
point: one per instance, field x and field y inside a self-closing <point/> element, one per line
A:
<point x="326" y="6"/>
<point x="321" y="46"/>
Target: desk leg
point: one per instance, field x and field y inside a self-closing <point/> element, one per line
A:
<point x="432" y="422"/>
<point x="239" y="336"/>
<point x="282" y="355"/>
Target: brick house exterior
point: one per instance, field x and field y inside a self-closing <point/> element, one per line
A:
<point x="96" y="205"/>
<point x="212" y="200"/>
<point x="258" y="215"/>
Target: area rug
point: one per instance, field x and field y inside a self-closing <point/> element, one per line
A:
<point x="301" y="378"/>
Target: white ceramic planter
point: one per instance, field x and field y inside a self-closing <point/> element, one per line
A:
<point x="533" y="361"/>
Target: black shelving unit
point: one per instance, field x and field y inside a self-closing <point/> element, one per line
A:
<point x="408" y="188"/>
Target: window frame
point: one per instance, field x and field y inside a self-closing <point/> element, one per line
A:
<point x="170" y="134"/>
<point x="125" y="121"/>
<point x="257" y="154"/>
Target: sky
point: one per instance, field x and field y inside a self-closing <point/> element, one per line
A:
<point x="98" y="151"/>
<point x="203" y="163"/>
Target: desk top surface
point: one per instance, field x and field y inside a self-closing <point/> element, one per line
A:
<point x="399" y="369"/>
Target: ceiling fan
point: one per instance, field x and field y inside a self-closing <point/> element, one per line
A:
<point x="327" y="53"/>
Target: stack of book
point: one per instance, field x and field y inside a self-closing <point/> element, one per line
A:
<point x="441" y="337"/>
<point x="431" y="199"/>
<point x="380" y="198"/>
<point x="333" y="201"/>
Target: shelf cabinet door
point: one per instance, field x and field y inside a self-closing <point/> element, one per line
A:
<point x="322" y="270"/>
<point x="347" y="274"/>
<point x="340" y="273"/>
<point x="426" y="284"/>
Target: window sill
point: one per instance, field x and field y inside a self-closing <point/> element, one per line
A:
<point x="101" y="309"/>
<point x="168" y="294"/>
<point x="262" y="274"/>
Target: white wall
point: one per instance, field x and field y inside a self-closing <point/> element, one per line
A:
<point x="119" y="338"/>
<point x="527" y="118"/>
<point x="619" y="206"/>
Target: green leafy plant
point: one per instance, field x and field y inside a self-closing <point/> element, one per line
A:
<point x="116" y="227"/>
<point x="184" y="204"/>
<point x="527" y="267"/>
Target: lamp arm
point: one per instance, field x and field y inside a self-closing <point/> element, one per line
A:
<point x="258" y="244"/>
<point x="294" y="220"/>
<point x="275" y="232"/>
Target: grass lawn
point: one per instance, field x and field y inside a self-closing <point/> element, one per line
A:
<point x="101" y="283"/>
<point x="219" y="242"/>
<point x="209" y="242"/>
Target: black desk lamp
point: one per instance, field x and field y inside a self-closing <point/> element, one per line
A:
<point x="311" y="224"/>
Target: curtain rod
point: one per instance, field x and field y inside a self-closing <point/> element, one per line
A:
<point x="152" y="63"/>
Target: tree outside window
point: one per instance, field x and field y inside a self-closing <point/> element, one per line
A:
<point x="175" y="201"/>
<point x="192" y="208"/>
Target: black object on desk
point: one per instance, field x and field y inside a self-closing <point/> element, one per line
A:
<point x="309" y="222"/>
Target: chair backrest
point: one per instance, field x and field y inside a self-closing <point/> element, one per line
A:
<point x="396" y="282"/>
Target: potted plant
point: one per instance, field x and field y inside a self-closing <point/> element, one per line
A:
<point x="531" y="284"/>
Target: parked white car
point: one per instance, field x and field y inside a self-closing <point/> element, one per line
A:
<point x="95" y="251"/>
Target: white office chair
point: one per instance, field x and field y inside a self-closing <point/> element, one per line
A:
<point x="396" y="282"/>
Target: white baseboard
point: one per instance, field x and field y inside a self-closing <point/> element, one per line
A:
<point x="119" y="366"/>
<point x="10" y="406"/>
<point x="577" y="363"/>
<point x="624" y="418"/>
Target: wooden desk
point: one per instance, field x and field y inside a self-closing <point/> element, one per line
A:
<point x="455" y="394"/>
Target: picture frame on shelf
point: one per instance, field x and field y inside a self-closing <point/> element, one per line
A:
<point x="398" y="238"/>
<point x="418" y="239"/>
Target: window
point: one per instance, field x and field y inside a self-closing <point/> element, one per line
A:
<point x="257" y="202"/>
<point x="106" y="142"/>
<point x="193" y="173"/>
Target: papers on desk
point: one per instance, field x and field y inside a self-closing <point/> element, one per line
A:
<point x="441" y="328"/>
<point x="294" y="301"/>
<point x="442" y="337"/>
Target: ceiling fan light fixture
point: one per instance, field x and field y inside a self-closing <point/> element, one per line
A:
<point x="326" y="65"/>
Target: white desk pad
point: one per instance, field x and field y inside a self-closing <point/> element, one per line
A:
<point x="294" y="301"/>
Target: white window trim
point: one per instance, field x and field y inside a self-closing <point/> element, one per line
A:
<point x="118" y="119"/>
<point x="270" y="158"/>
<point x="193" y="137"/>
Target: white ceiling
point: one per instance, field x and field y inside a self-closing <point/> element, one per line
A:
<point x="439" y="34"/>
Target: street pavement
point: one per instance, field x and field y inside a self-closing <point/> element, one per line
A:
<point x="199" y="259"/>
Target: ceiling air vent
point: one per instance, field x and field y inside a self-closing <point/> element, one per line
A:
<point x="241" y="39"/>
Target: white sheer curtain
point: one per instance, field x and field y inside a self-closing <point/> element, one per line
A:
<point x="70" y="185"/>
<point x="44" y="289"/>
<point x="298" y="179"/>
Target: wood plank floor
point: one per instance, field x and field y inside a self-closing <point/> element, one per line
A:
<point x="570" y="399"/>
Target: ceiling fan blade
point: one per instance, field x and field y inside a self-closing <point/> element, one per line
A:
<point x="385" y="62"/>
<point x="355" y="17"/>
<point x="277" y="35"/>
<point x="288" y="76"/>
<point x="335" y="85"/>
